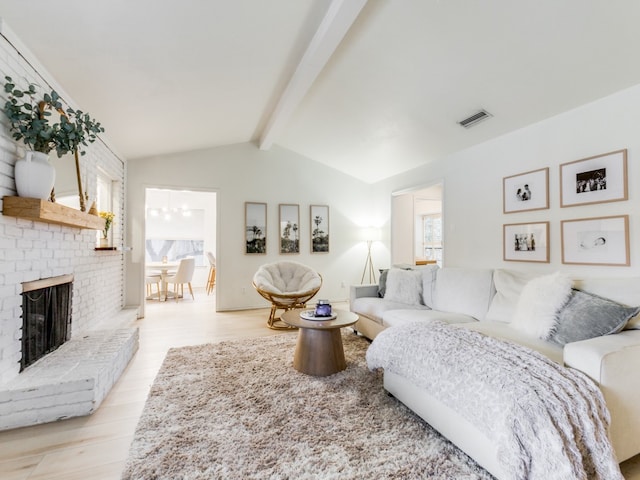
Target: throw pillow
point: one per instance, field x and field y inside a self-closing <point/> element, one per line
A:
<point x="404" y="286"/>
<point x="382" y="282"/>
<point x="509" y="285"/>
<point x="586" y="315"/>
<point x="428" y="283"/>
<point x="539" y="303"/>
<point x="464" y="290"/>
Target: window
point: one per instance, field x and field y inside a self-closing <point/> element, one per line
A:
<point x="432" y="237"/>
<point x="103" y="202"/>
<point x="107" y="200"/>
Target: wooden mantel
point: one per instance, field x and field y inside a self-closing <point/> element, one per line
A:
<point x="49" y="212"/>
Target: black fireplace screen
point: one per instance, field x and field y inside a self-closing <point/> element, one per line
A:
<point x="46" y="321"/>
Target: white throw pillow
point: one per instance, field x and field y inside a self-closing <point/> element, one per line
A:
<point x="509" y="285"/>
<point x="404" y="286"/>
<point x="428" y="283"/>
<point x="464" y="290"/>
<point x="541" y="299"/>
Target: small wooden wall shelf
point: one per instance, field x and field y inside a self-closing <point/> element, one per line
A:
<point x="49" y="212"/>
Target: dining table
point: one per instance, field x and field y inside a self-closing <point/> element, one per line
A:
<point x="164" y="268"/>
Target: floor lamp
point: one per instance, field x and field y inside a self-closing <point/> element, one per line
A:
<point x="370" y="235"/>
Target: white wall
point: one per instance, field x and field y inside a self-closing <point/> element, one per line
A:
<point x="241" y="173"/>
<point x="472" y="200"/>
<point x="473" y="217"/>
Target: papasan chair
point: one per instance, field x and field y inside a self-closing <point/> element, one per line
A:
<point x="286" y="285"/>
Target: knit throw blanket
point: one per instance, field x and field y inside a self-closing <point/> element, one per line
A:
<point x="548" y="421"/>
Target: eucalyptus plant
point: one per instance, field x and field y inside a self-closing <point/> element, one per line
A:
<point x="31" y="121"/>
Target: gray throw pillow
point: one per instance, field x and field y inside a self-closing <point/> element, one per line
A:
<point x="588" y="316"/>
<point x="382" y="283"/>
<point x="404" y="286"/>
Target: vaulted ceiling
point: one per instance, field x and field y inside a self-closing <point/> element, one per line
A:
<point x="371" y="88"/>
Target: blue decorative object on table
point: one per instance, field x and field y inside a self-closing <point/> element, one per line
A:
<point x="323" y="308"/>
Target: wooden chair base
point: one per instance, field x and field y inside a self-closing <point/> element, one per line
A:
<point x="178" y="291"/>
<point x="211" y="280"/>
<point x="150" y="283"/>
<point x="284" y="301"/>
<point x="275" y="323"/>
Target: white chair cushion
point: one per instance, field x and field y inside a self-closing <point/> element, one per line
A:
<point x="286" y="278"/>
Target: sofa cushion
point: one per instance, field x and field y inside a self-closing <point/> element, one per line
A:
<point x="539" y="303"/>
<point x="586" y="316"/>
<point x="463" y="290"/>
<point x="391" y="318"/>
<point x="429" y="273"/>
<point x="505" y="331"/>
<point x="404" y="286"/>
<point x="633" y="323"/>
<point x="374" y="307"/>
<point x="509" y="285"/>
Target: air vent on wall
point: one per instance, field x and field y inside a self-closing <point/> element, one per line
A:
<point x="475" y="118"/>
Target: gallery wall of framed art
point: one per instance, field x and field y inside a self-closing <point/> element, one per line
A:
<point x="290" y="228"/>
<point x="598" y="240"/>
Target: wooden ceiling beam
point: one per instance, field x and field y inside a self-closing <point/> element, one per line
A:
<point x="334" y="26"/>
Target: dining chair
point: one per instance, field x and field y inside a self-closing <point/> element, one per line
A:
<point x="211" y="281"/>
<point x="183" y="275"/>
<point x="151" y="280"/>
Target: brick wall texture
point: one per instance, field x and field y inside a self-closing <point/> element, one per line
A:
<point x="32" y="250"/>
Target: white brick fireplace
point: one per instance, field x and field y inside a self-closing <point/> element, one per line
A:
<point x="33" y="250"/>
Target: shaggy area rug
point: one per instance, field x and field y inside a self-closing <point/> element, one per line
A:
<point x="238" y="410"/>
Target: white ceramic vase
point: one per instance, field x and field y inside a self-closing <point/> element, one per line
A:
<point x="34" y="175"/>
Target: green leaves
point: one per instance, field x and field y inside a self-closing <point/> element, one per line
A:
<point x="30" y="121"/>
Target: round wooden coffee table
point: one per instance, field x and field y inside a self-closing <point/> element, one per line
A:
<point x="319" y="349"/>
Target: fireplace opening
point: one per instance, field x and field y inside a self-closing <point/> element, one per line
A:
<point x="46" y="317"/>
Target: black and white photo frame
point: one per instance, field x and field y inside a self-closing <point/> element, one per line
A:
<point x="526" y="242"/>
<point x="255" y="228"/>
<point x="597" y="179"/>
<point x="289" y="227"/>
<point x="596" y="241"/>
<point x="320" y="235"/>
<point x="526" y="191"/>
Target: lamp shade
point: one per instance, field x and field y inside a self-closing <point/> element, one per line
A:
<point x="370" y="234"/>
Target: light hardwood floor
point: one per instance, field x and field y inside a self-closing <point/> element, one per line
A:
<point x="96" y="447"/>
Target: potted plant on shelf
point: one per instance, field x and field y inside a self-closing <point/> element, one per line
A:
<point x="43" y="126"/>
<point x="108" y="220"/>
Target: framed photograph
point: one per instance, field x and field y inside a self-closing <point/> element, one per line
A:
<point x="319" y="228"/>
<point x="596" y="241"/>
<point x="598" y="179"/>
<point x="526" y="242"/>
<point x="255" y="227"/>
<point x="289" y="228"/>
<point x="526" y="191"/>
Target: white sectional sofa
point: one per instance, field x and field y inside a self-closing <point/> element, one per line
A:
<point x="487" y="301"/>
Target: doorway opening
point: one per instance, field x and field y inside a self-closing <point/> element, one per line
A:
<point x="180" y="224"/>
<point x="417" y="226"/>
